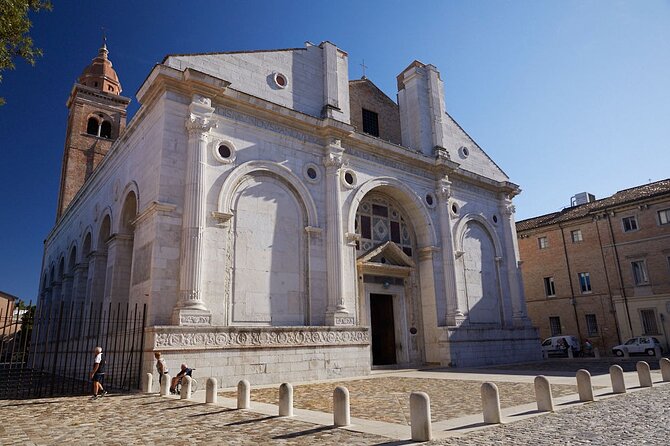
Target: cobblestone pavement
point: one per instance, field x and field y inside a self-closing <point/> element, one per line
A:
<point x="639" y="418"/>
<point x="151" y="420"/>
<point x="387" y="398"/>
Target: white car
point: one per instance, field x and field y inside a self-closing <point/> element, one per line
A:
<point x="641" y="345"/>
<point x="558" y="345"/>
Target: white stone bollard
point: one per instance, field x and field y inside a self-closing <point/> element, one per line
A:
<point x="644" y="374"/>
<point x="545" y="354"/>
<point x="243" y="394"/>
<point x="665" y="369"/>
<point x="616" y="376"/>
<point x="419" y="413"/>
<point x="657" y="351"/>
<point x="185" y="393"/>
<point x="212" y="396"/>
<point x="147" y="383"/>
<point x="626" y="354"/>
<point x="341" y="413"/>
<point x="490" y="403"/>
<point x="584" y="385"/>
<point x="286" y="400"/>
<point x="545" y="402"/>
<point x="571" y="354"/>
<point x="596" y="353"/>
<point x="165" y="385"/>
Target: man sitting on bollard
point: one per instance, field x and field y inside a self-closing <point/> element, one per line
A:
<point x="185" y="371"/>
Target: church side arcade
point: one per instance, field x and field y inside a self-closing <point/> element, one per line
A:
<point x="282" y="222"/>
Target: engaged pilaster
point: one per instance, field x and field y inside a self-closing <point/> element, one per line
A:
<point x="190" y="309"/>
<point x="507" y="210"/>
<point x="454" y="314"/>
<point x="336" y="314"/>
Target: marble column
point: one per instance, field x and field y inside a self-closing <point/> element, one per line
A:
<point x="119" y="263"/>
<point x="511" y="252"/>
<point x="336" y="313"/>
<point x="68" y="280"/>
<point x="79" y="283"/>
<point x="455" y="315"/>
<point x="190" y="308"/>
<point x="95" y="283"/>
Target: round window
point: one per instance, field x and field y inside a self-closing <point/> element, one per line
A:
<point x="311" y="172"/>
<point x="454" y="208"/>
<point x="495" y="219"/>
<point x="349" y="178"/>
<point x="464" y="152"/>
<point x="224" y="151"/>
<point x="429" y="199"/>
<point x="280" y="80"/>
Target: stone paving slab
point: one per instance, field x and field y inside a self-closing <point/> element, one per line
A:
<point x="151" y="420"/>
<point x="387" y="398"/>
<point x="638" y="418"/>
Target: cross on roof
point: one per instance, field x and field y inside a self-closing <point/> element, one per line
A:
<point x="364" y="67"/>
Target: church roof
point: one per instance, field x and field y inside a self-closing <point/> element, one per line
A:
<point x="620" y="198"/>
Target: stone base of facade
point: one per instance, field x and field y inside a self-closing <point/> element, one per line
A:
<point x="468" y="346"/>
<point x="262" y="355"/>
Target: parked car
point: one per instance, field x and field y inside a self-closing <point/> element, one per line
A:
<point x="641" y="345"/>
<point x="558" y="345"/>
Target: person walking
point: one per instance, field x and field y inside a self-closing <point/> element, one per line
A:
<point x="98" y="373"/>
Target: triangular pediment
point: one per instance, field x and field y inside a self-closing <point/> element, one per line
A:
<point x="387" y="254"/>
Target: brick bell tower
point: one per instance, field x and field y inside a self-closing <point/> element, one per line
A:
<point x="97" y="116"/>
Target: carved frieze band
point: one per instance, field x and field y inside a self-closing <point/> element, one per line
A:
<point x="262" y="338"/>
<point x="266" y="125"/>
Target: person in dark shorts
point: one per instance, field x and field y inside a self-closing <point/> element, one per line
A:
<point x="160" y="366"/>
<point x="98" y="373"/>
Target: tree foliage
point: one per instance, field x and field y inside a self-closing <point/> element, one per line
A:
<point x="15" y="42"/>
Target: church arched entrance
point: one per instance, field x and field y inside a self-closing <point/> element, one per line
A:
<point x="388" y="289"/>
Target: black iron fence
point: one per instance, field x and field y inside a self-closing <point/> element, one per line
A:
<point x="48" y="350"/>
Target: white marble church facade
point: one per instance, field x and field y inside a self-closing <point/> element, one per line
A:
<point x="275" y="234"/>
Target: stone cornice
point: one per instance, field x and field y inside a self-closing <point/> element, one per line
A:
<point x="154" y="207"/>
<point x="167" y="338"/>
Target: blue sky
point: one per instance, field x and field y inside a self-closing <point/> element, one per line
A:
<point x="566" y="96"/>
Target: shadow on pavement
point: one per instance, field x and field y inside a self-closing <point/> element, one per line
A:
<point x="255" y="420"/>
<point x="315" y="430"/>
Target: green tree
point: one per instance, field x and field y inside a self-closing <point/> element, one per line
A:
<point x="14" y="27"/>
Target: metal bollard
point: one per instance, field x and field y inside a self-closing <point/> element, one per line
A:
<point x="212" y="396"/>
<point x="185" y="393"/>
<point x="584" y="385"/>
<point x="419" y="413"/>
<point x="596" y="353"/>
<point x="626" y="353"/>
<point x="243" y="394"/>
<point x="286" y="400"/>
<point x="165" y="385"/>
<point x="616" y="376"/>
<point x="147" y="383"/>
<point x="341" y="413"/>
<point x="644" y="374"/>
<point x="545" y="402"/>
<point x="571" y="354"/>
<point x="665" y="369"/>
<point x="490" y="403"/>
<point x="657" y="352"/>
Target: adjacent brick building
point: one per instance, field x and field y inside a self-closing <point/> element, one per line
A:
<point x="600" y="269"/>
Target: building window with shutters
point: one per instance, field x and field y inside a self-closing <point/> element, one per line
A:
<point x="591" y="324"/>
<point x="576" y="236"/>
<point x="648" y="320"/>
<point x="549" y="287"/>
<point x="664" y="217"/>
<point x="629" y="224"/>
<point x="543" y="242"/>
<point x="640" y="275"/>
<point x="555" y="325"/>
<point x="584" y="282"/>
<point x="370" y="122"/>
